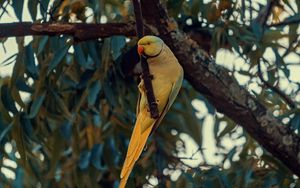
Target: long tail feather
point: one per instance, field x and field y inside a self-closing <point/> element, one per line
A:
<point x="137" y="143"/>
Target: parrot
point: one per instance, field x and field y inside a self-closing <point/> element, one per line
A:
<point x="167" y="77"/>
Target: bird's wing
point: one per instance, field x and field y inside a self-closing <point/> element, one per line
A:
<point x="136" y="145"/>
<point x="141" y="132"/>
<point x="174" y="92"/>
<point x="138" y="104"/>
<point x="143" y="128"/>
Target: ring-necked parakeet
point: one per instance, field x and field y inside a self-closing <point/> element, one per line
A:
<point x="167" y="78"/>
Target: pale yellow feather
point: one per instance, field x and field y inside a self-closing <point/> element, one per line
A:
<point x="167" y="79"/>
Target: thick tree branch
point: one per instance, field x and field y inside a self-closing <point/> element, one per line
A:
<point x="84" y="31"/>
<point x="80" y="31"/>
<point x="224" y="92"/>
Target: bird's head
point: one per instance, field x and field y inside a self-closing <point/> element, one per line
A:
<point x="150" y="46"/>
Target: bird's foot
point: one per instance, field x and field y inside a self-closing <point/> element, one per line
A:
<point x="143" y="76"/>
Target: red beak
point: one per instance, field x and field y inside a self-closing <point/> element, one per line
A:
<point x="140" y="49"/>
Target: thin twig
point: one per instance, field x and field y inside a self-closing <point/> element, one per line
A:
<point x="4" y="9"/>
<point x="54" y="8"/>
<point x="265" y="13"/>
<point x="146" y="74"/>
<point x="286" y="22"/>
<point x="262" y="19"/>
<point x="138" y="18"/>
<point x="274" y="88"/>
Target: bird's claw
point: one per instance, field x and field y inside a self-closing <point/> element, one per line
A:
<point x="143" y="76"/>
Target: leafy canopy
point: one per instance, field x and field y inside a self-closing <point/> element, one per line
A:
<point x="68" y="108"/>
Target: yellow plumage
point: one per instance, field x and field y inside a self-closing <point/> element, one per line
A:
<point x="167" y="78"/>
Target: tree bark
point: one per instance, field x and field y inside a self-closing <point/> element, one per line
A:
<point x="85" y="31"/>
<point x="80" y="31"/>
<point x="223" y="90"/>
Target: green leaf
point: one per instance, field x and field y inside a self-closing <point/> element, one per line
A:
<point x="289" y="5"/>
<point x="18" y="136"/>
<point x="109" y="93"/>
<point x="9" y="60"/>
<point x="296" y="17"/>
<point x="66" y="129"/>
<point x="231" y="153"/>
<point x="57" y="146"/>
<point x="61" y="106"/>
<point x="174" y="6"/>
<point x="84" y="160"/>
<point x="7" y="99"/>
<point x="27" y="126"/>
<point x="94" y="90"/>
<point x="30" y="62"/>
<point x="17" y="97"/>
<point x="229" y="127"/>
<point x="234" y="43"/>
<point x="32" y="7"/>
<point x="22" y="86"/>
<point x="295" y="123"/>
<point x="293" y="34"/>
<point x="80" y="57"/>
<point x="257" y="29"/>
<point x="44" y="7"/>
<point x="18" y="8"/>
<point x="272" y="35"/>
<point x="42" y="44"/>
<point x="19" y="180"/>
<point x="93" y="52"/>
<point x="117" y="44"/>
<point x="5" y="131"/>
<point x="96" y="156"/>
<point x="36" y="105"/>
<point x="58" y="56"/>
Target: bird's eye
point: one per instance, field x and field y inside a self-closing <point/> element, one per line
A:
<point x="148" y="43"/>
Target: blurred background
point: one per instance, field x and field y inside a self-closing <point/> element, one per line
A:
<point x="68" y="109"/>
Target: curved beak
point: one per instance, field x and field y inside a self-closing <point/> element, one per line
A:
<point x="140" y="49"/>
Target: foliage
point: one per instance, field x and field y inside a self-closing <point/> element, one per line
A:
<point x="68" y="108"/>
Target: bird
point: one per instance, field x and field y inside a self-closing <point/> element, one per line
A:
<point x="167" y="77"/>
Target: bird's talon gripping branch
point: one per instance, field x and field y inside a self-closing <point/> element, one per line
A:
<point x="143" y="76"/>
<point x="154" y="103"/>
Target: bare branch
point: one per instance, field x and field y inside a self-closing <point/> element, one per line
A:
<point x="146" y="73"/>
<point x="286" y="22"/>
<point x="84" y="31"/>
<point x="265" y="13"/>
<point x="80" y="31"/>
<point x="274" y="88"/>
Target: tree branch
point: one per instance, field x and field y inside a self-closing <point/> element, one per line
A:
<point x="224" y="92"/>
<point x="286" y="22"/>
<point x="84" y="31"/>
<point x="80" y="31"/>
<point x="274" y="88"/>
<point x="146" y="73"/>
